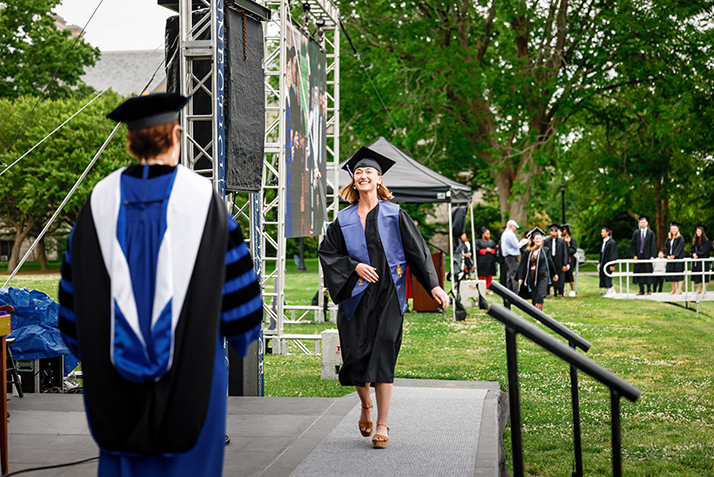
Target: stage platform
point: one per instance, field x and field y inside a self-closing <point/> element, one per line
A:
<point x="437" y="428"/>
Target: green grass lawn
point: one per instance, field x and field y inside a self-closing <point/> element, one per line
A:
<point x="663" y="349"/>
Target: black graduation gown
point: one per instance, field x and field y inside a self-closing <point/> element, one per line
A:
<point x="674" y="247"/>
<point x="371" y="339"/>
<point x="607" y="254"/>
<point x="648" y="251"/>
<point x="703" y="250"/>
<point x="569" y="276"/>
<point x="538" y="288"/>
<point x="485" y="263"/>
<point x="560" y="259"/>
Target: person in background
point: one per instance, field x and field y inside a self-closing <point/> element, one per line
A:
<point x="468" y="263"/>
<point x="659" y="267"/>
<point x="569" y="275"/>
<point x="510" y="247"/>
<point x="608" y="253"/>
<point x="485" y="256"/>
<point x="536" y="269"/>
<point x="364" y="257"/>
<point x="155" y="276"/>
<point x="643" y="247"/>
<point x="559" y="253"/>
<point x="674" y="249"/>
<point x="701" y="248"/>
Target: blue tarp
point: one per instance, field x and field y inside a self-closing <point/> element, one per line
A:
<point x="35" y="326"/>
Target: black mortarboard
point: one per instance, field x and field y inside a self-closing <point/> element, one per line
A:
<point x="643" y="217"/>
<point x="565" y="227"/>
<point x="554" y="226"/>
<point x="141" y="112"/>
<point x="536" y="231"/>
<point x="366" y="157"/>
<point x="703" y="227"/>
<point x="676" y="224"/>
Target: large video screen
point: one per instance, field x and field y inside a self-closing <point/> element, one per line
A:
<point x="305" y="135"/>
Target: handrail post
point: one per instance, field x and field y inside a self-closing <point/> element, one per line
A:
<point x="577" y="446"/>
<point x="514" y="400"/>
<point x="616" y="434"/>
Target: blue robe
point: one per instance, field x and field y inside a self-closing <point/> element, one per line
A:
<point x="160" y="422"/>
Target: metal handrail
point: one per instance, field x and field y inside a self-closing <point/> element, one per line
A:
<point x="515" y="324"/>
<point x="510" y="298"/>
<point x="574" y="340"/>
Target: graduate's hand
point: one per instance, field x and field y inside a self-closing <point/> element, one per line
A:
<point x="367" y="273"/>
<point x="555" y="278"/>
<point x="440" y="295"/>
<point x="520" y="282"/>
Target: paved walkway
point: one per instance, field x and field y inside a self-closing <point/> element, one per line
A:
<point x="269" y="436"/>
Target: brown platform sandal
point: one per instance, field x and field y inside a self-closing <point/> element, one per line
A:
<point x="380" y="444"/>
<point x="368" y="425"/>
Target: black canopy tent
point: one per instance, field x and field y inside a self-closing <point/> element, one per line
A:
<point x="412" y="182"/>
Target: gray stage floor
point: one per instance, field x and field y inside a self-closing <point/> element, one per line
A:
<point x="272" y="436"/>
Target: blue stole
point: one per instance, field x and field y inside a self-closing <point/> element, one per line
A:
<point x="356" y="241"/>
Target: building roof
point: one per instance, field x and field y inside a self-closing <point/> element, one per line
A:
<point x="113" y="66"/>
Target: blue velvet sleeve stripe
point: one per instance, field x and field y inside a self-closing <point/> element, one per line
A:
<point x="241" y="297"/>
<point x="236" y="253"/>
<point x="243" y="310"/>
<point x="243" y="325"/>
<point x="241" y="342"/>
<point x="239" y="282"/>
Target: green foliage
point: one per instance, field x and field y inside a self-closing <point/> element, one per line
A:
<point x="32" y="49"/>
<point x="34" y="187"/>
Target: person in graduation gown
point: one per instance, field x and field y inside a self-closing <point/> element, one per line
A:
<point x="608" y="253"/>
<point x="536" y="269"/>
<point x="485" y="249"/>
<point x="155" y="276"/>
<point x="701" y="248"/>
<point x="364" y="256"/>
<point x="643" y="247"/>
<point x="559" y="254"/>
<point x="674" y="249"/>
<point x="569" y="274"/>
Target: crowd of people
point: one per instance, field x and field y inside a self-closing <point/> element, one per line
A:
<point x="537" y="266"/>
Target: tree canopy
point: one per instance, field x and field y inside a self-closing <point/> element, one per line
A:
<point x="32" y="49"/>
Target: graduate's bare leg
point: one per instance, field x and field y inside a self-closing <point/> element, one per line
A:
<point x="383" y="391"/>
<point x="366" y="401"/>
<point x="679" y="287"/>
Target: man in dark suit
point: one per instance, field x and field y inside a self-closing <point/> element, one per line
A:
<point x="559" y="253"/>
<point x="608" y="253"/>
<point x="643" y="246"/>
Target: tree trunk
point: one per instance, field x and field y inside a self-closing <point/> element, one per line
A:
<point x="661" y="211"/>
<point x="43" y="255"/>
<point x="20" y="237"/>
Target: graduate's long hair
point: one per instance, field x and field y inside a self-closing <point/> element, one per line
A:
<point x="350" y="194"/>
<point x="698" y="240"/>
<point x="674" y="236"/>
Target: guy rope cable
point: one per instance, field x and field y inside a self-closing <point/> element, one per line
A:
<point x="42" y="94"/>
<point x="74" y="188"/>
<point x="86" y="105"/>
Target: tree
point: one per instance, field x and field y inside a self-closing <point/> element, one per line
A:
<point x="33" y="189"/>
<point x="491" y="85"/>
<point x="32" y="49"/>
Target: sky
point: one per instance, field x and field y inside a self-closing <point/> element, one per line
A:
<point x="118" y="24"/>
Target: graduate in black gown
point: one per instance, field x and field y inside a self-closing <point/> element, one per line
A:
<point x="674" y="249"/>
<point x="559" y="254"/>
<point x="701" y="248"/>
<point x="364" y="257"/>
<point x="536" y="269"/>
<point x="643" y="247"/>
<point x="569" y="275"/>
<point x="608" y="253"/>
<point x="485" y="256"/>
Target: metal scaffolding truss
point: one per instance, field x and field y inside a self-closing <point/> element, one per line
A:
<point x="320" y="17"/>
